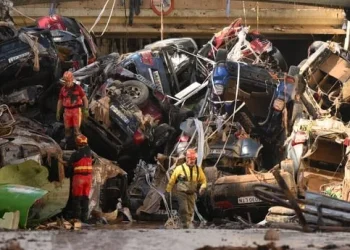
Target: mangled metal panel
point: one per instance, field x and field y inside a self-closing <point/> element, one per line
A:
<point x="31" y="173"/>
<point x="25" y="136"/>
<point x="313" y="179"/>
<point x="235" y="191"/>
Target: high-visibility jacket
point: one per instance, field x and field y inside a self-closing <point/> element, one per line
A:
<point x="187" y="179"/>
<point x="72" y="97"/>
<point x="81" y="161"/>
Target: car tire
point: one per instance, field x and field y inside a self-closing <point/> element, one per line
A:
<point x="138" y="92"/>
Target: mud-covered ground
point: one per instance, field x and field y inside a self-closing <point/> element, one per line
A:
<point x="154" y="239"/>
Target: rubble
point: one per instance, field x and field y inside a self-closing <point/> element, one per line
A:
<point x="269" y="246"/>
<point x="10" y="220"/>
<point x="266" y="134"/>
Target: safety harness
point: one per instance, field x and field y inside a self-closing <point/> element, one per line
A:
<point x="191" y="173"/>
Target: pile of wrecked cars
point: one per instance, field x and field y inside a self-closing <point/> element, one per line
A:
<point x="34" y="182"/>
<point x="235" y="100"/>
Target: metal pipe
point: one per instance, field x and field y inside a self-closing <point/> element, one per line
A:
<point x="347" y="38"/>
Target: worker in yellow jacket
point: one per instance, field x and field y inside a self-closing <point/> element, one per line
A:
<point x="187" y="178"/>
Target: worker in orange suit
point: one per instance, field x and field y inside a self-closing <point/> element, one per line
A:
<point x="74" y="101"/>
<point x="81" y="163"/>
<point x="187" y="177"/>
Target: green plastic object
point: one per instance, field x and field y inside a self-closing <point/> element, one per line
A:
<point x="31" y="173"/>
<point x="18" y="197"/>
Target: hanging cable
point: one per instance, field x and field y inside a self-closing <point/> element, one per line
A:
<point x="257" y="16"/>
<point x="109" y="19"/>
<point x="245" y="14"/>
<point x="234" y="111"/>
<point x="161" y="20"/>
<point x="14" y="9"/>
<point x="99" y="16"/>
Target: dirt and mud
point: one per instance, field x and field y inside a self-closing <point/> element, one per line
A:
<point x="156" y="239"/>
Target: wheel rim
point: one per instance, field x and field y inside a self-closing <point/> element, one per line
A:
<point x="133" y="92"/>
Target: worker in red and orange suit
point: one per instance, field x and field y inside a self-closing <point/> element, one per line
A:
<point x="187" y="178"/>
<point x="72" y="98"/>
<point x="81" y="164"/>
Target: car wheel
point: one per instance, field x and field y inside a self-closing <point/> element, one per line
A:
<point x="138" y="92"/>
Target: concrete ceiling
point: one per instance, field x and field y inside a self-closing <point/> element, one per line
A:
<point x="324" y="3"/>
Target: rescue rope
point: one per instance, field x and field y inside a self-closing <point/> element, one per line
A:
<point x="244" y="14"/>
<point x="109" y="19"/>
<point x="257" y="16"/>
<point x="234" y="111"/>
<point x="14" y="9"/>
<point x="161" y="20"/>
<point x="99" y="16"/>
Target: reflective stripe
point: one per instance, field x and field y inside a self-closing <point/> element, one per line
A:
<point x="82" y="168"/>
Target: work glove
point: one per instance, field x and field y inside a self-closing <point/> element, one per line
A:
<point x="201" y="191"/>
<point x="58" y="115"/>
<point x="85" y="113"/>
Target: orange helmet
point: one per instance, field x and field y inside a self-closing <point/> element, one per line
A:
<point x="68" y="76"/>
<point x="191" y="154"/>
<point x="81" y="140"/>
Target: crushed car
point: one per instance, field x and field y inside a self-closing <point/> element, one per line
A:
<point x="76" y="46"/>
<point x="29" y="66"/>
<point x="31" y="158"/>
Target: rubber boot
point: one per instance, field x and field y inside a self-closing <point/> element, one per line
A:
<point x="84" y="209"/>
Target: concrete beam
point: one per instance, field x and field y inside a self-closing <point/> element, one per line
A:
<point x="323" y="3"/>
<point x="272" y="18"/>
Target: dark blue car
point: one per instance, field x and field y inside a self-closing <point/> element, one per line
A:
<point x="265" y="94"/>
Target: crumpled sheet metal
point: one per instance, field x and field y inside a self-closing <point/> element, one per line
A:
<point x="151" y="203"/>
<point x="47" y="146"/>
<point x="321" y="126"/>
<point x="100" y="110"/>
<point x="313" y="179"/>
<point x="104" y="169"/>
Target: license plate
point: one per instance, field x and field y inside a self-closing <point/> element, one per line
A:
<point x="219" y="151"/>
<point x="119" y="113"/>
<point x="248" y="199"/>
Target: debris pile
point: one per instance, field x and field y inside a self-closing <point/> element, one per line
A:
<point x="255" y="122"/>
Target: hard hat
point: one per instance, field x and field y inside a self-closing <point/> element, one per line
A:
<point x="191" y="154"/>
<point x="68" y="76"/>
<point x="81" y="140"/>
